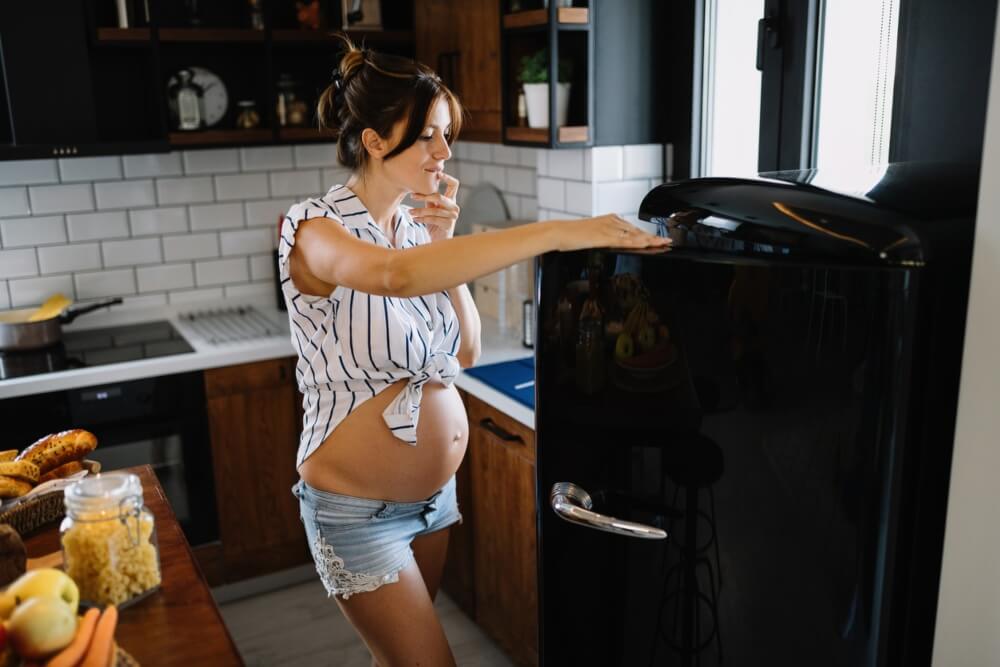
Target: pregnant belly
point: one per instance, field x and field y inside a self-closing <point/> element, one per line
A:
<point x="362" y="457"/>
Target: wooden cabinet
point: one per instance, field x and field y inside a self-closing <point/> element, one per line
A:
<point x="253" y="420"/>
<point x="460" y="40"/>
<point x="500" y="488"/>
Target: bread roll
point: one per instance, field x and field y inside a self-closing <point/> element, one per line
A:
<point x="11" y="487"/>
<point x="65" y="470"/>
<point x="8" y="454"/>
<point x="56" y="449"/>
<point x="25" y="470"/>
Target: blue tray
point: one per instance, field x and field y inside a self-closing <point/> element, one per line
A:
<point x="505" y="375"/>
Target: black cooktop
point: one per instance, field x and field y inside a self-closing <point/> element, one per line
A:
<point x="96" y="347"/>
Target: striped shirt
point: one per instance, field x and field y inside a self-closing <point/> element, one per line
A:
<point x="351" y="345"/>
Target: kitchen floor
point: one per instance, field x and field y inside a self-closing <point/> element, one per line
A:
<point x="299" y="625"/>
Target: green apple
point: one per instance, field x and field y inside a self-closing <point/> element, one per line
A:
<point x="46" y="582"/>
<point x="624" y="347"/>
<point x="40" y="626"/>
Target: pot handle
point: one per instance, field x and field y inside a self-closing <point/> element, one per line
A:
<point x="74" y="312"/>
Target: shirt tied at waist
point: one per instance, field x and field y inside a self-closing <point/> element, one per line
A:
<point x="403" y="412"/>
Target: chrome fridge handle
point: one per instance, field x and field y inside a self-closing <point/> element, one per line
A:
<point x="573" y="504"/>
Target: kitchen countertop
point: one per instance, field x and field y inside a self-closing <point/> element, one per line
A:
<point x="498" y="345"/>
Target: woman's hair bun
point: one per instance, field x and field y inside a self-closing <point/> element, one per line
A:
<point x="351" y="61"/>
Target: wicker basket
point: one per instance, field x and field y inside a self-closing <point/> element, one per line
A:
<point x="42" y="508"/>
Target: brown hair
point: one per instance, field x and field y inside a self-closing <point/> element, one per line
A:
<point x="378" y="90"/>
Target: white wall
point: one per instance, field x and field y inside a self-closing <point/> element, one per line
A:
<point x="968" y="622"/>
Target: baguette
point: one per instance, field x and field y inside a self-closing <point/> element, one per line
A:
<point x="11" y="487"/>
<point x="54" y="450"/>
<point x="65" y="470"/>
<point x="25" y="470"/>
<point x="8" y="454"/>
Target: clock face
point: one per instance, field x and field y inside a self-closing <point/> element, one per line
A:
<point x="215" y="98"/>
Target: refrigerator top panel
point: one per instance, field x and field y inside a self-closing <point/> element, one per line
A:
<point x="903" y="214"/>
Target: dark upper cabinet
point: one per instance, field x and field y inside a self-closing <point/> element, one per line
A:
<point x="66" y="94"/>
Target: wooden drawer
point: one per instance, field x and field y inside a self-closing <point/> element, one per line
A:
<point x="244" y="377"/>
<point x="501" y="428"/>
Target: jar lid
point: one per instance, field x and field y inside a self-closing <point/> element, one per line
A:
<point x="246" y="103"/>
<point x="103" y="491"/>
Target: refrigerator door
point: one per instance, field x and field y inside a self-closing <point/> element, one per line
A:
<point x="751" y="412"/>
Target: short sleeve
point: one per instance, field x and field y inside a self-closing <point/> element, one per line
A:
<point x="289" y="226"/>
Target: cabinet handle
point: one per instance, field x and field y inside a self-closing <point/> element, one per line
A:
<point x="499" y="432"/>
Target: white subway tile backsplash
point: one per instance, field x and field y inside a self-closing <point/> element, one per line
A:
<point x="190" y="246"/>
<point x="240" y="186"/>
<point x="316" y="155"/>
<point x="566" y="163"/>
<point x="250" y="291"/>
<point x="105" y="283"/>
<point x="125" y="194"/>
<point x="513" y="203"/>
<point x="262" y="267"/>
<point x="247" y="241"/>
<point x="155" y="221"/>
<point x="16" y="263"/>
<point x="520" y="181"/>
<point x="4" y="295"/>
<point x="90" y="168"/>
<point x="622" y="197"/>
<point x="43" y="230"/>
<point x="196" y="295"/>
<point x="496" y="176"/>
<point x="542" y="162"/>
<point x="212" y="161"/>
<point x="61" y="198"/>
<point x="266" y="213"/>
<point x="266" y="157"/>
<point x="28" y="172"/>
<point x="479" y="152"/>
<point x="69" y="258"/>
<point x="33" y="291"/>
<point x="221" y="271"/>
<point x="14" y="201"/>
<point x="604" y="163"/>
<point x="302" y="182"/>
<point x="91" y="226"/>
<point x="528" y="157"/>
<point x="529" y="208"/>
<point x="184" y="190"/>
<point x="216" y="216"/>
<point x="470" y="173"/>
<point x="165" y="277"/>
<point x="144" y="301"/>
<point x="132" y="252"/>
<point x="551" y="193"/>
<point x="643" y="161"/>
<point x="156" y="164"/>
<point x="507" y="155"/>
<point x="580" y="198"/>
<point x="460" y="150"/>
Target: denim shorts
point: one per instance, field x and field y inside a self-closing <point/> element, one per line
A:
<point x="359" y="544"/>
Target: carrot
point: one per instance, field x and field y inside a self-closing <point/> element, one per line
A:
<point x="72" y="654"/>
<point x="102" y="645"/>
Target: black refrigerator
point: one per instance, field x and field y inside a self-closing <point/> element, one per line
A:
<point x="744" y="442"/>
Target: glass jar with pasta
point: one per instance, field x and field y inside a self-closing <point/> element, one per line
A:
<point x="109" y="540"/>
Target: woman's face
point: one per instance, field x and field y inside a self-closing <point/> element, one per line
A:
<point x="419" y="167"/>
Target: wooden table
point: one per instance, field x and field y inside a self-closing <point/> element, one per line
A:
<point x="178" y="625"/>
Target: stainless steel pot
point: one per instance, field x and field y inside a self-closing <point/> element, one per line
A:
<point x="16" y="333"/>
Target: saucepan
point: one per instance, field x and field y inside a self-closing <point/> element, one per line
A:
<point x="17" y="333"/>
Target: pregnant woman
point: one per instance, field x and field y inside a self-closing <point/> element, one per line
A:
<point x="383" y="322"/>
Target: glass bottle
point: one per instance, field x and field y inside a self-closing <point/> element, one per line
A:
<point x="188" y="101"/>
<point x="247" y="118"/>
<point x="108" y="540"/>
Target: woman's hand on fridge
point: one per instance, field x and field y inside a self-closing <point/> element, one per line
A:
<point x="607" y="231"/>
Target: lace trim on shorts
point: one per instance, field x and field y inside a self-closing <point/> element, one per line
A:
<point x="339" y="581"/>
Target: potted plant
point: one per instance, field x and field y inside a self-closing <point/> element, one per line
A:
<point x="534" y="78"/>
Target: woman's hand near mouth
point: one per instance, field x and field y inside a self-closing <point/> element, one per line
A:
<point x="440" y="212"/>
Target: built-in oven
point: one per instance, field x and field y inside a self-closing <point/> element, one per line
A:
<point x="160" y="421"/>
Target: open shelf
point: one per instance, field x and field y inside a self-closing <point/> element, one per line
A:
<point x="540" y="17"/>
<point x="540" y="135"/>
<point x="369" y="37"/>
<point x="211" y="35"/>
<point x="123" y="35"/>
<point x="304" y="134"/>
<point x="205" y="137"/>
